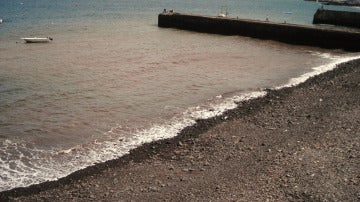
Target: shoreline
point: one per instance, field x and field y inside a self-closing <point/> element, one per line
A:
<point x="176" y="151"/>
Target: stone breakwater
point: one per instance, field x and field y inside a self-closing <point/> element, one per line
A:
<point x="342" y="18"/>
<point x="283" y="32"/>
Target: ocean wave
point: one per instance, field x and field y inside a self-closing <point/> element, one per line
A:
<point x="23" y="165"/>
<point x="335" y="60"/>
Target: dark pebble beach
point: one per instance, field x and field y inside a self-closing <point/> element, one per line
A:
<point x="295" y="144"/>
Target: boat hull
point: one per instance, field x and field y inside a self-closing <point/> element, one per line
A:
<point x="37" y="40"/>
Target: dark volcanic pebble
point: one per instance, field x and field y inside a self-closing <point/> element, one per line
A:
<point x="295" y="144"/>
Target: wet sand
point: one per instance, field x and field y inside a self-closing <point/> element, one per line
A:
<point x="295" y="144"/>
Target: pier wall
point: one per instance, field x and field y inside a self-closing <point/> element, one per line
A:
<point x="343" y="18"/>
<point x="288" y="33"/>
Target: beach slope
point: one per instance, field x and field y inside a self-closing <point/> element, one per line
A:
<point x="295" y="144"/>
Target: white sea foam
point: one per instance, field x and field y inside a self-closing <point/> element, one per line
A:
<point x="335" y="60"/>
<point x="25" y="165"/>
<point x="219" y="108"/>
<point x="48" y="166"/>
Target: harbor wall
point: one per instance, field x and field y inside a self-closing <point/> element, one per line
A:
<point x="283" y="32"/>
<point x="343" y="18"/>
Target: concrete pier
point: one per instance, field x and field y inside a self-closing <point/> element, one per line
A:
<point x="343" y="18"/>
<point x="283" y="32"/>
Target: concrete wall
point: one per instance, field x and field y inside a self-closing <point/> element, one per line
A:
<point x="343" y="18"/>
<point x="288" y="33"/>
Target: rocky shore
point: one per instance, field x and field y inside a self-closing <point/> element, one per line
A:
<point x="296" y="144"/>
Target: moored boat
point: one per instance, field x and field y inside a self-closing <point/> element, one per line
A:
<point x="37" y="39"/>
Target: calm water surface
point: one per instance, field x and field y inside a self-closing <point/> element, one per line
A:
<point x="112" y="80"/>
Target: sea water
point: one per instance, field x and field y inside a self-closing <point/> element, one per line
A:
<point x="112" y="80"/>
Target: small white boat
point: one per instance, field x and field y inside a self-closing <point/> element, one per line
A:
<point x="1" y="21"/>
<point x="37" y="39"/>
<point x="223" y="13"/>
